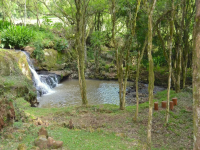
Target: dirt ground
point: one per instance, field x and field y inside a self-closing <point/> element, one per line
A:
<point x="177" y="134"/>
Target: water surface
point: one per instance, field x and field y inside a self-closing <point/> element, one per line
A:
<point x="68" y="93"/>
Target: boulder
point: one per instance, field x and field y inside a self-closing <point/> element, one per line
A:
<point x="51" y="143"/>
<point x="29" y="49"/>
<point x="14" y="63"/>
<point x="52" y="61"/>
<point x="43" y="131"/>
<point x="15" y="78"/>
<point x="41" y="142"/>
<point x="62" y="73"/>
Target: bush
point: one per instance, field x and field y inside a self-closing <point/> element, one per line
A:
<point x="38" y="52"/>
<point x="16" y="36"/>
<point x="60" y="44"/>
<point x="107" y="67"/>
<point x="4" y="25"/>
<point x="47" y="39"/>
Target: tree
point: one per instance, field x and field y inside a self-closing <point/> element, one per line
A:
<point x="139" y="58"/>
<point x="196" y="78"/>
<point x="7" y="10"/>
<point x="74" y="14"/>
<point x="35" y="7"/>
<point x="81" y="7"/>
<point x="123" y="46"/>
<point x="170" y="60"/>
<point x="151" y="74"/>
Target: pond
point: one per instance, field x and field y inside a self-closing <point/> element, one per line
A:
<point x="68" y="93"/>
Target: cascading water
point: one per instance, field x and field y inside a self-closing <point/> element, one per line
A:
<point x="43" y="83"/>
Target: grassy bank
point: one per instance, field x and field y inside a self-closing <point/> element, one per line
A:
<point x="104" y="126"/>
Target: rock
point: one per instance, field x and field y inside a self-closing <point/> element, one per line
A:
<point x="43" y="131"/>
<point x="41" y="142"/>
<point x="1" y="123"/>
<point x="39" y="122"/>
<point x="62" y="73"/>
<point x="120" y="134"/>
<point x="57" y="144"/>
<point x="9" y="64"/>
<point x="71" y="125"/>
<point x="51" y="59"/>
<point x="35" y="148"/>
<point x="21" y="147"/>
<point x="51" y="143"/>
<point x="20" y="138"/>
<point x="29" y="49"/>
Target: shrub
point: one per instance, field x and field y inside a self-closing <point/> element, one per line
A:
<point x="46" y="21"/>
<point x="58" y="25"/>
<point x="38" y="52"/>
<point x="4" y="25"/>
<point x="16" y="36"/>
<point x="107" y="67"/>
<point x="60" y="44"/>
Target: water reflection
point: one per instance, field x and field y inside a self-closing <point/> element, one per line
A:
<point x="68" y="93"/>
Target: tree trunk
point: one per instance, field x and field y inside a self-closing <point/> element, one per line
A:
<point x="140" y="56"/>
<point x="196" y="79"/>
<point x="170" y="61"/>
<point x="80" y="40"/>
<point x="151" y="75"/>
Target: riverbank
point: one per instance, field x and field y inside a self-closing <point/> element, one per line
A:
<point x="103" y="126"/>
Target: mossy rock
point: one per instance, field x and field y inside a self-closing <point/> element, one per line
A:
<point x="15" y="75"/>
<point x="53" y="60"/>
<point x="14" y="63"/>
<point x="21" y="147"/>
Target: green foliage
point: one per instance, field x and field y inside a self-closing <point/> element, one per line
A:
<point x="90" y="54"/>
<point x="58" y="25"/>
<point x="38" y="52"/>
<point x="107" y="67"/>
<point x="4" y="25"/>
<point x="60" y="44"/>
<point x="46" y="21"/>
<point x="16" y="36"/>
<point x="98" y="38"/>
<point x="45" y="38"/>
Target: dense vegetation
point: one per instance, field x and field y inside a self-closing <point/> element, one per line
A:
<point x="126" y="38"/>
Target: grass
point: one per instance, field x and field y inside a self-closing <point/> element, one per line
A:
<point x="107" y="127"/>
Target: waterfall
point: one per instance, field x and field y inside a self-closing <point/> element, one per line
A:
<point x="43" y="83"/>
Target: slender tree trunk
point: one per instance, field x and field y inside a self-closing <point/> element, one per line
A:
<point x="80" y="40"/>
<point x="140" y="56"/>
<point x="196" y="79"/>
<point x="170" y="61"/>
<point x="3" y="11"/>
<point x="151" y="74"/>
<point x="185" y="56"/>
